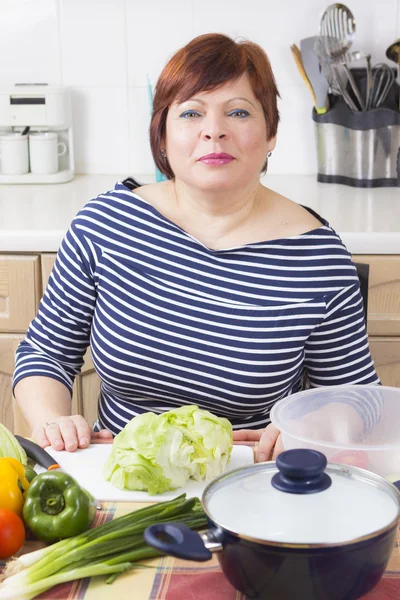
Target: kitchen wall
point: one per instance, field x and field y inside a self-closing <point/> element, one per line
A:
<point x="104" y="50"/>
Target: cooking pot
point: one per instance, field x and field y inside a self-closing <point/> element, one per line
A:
<point x="295" y="529"/>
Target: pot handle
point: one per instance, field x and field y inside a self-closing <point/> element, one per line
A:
<point x="177" y="540"/>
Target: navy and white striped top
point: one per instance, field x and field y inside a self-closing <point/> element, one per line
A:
<point x="172" y="322"/>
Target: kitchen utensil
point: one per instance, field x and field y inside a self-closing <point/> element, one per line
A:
<point x="377" y="450"/>
<point x="333" y="73"/>
<point x="382" y="80"/>
<point x="337" y="28"/>
<point x="354" y="56"/>
<point x="393" y="53"/>
<point x="313" y="71"/>
<point x="293" y="529"/>
<point x="299" y="63"/>
<point x="86" y="466"/>
<point x="369" y="82"/>
<point x="38" y="454"/>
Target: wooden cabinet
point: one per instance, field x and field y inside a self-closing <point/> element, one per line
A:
<point x="20" y="290"/>
<point x="8" y="346"/>
<point x="386" y="355"/>
<point x="384" y="314"/>
<point x="47" y="263"/>
<point x="383" y="294"/>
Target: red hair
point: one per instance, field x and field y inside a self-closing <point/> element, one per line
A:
<point x="206" y="63"/>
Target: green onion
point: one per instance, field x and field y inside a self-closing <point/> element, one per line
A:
<point x="109" y="549"/>
<point x="60" y="548"/>
<point x="26" y="591"/>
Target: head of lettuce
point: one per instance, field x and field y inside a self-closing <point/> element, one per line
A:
<point x="156" y="453"/>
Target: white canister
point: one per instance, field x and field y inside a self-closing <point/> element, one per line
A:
<point x="44" y="150"/>
<point x="14" y="156"/>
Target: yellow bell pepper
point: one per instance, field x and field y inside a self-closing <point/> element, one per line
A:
<point x="11" y="497"/>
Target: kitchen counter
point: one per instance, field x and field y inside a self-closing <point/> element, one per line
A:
<point x="34" y="218"/>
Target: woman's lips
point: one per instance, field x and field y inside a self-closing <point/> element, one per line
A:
<point x="216" y="159"/>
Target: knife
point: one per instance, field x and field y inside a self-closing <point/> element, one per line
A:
<point x="38" y="454"/>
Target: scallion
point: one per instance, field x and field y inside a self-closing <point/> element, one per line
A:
<point x="109" y="549"/>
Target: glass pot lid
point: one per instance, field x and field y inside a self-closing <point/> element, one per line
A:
<point x="301" y="500"/>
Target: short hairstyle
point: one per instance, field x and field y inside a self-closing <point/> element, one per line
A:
<point x="207" y="63"/>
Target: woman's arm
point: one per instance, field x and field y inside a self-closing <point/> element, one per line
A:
<point x="41" y="400"/>
<point x="337" y="353"/>
<point x="45" y="400"/>
<point x="51" y="355"/>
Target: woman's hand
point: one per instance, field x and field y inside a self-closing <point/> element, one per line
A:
<point x="68" y="433"/>
<point x="269" y="441"/>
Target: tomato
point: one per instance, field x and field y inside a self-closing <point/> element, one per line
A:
<point x="12" y="533"/>
<point x="353" y="458"/>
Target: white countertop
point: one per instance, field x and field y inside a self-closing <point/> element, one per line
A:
<point x="34" y="218"/>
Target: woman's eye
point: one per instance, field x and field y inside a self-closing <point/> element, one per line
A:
<point x="189" y="114"/>
<point x="239" y="113"/>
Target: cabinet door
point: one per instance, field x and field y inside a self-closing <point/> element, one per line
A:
<point x="10" y="415"/>
<point x="386" y="355"/>
<point x="48" y="261"/>
<point x="20" y="291"/>
<point x="383" y="293"/>
<point x="87" y="384"/>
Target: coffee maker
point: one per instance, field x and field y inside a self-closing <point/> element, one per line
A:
<point x="41" y="107"/>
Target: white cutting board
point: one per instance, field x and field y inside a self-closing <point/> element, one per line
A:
<point x="86" y="467"/>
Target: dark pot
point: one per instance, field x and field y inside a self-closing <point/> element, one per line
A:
<point x="290" y="498"/>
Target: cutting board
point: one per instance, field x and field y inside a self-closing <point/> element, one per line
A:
<point x="86" y="467"/>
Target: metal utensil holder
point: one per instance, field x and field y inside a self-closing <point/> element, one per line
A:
<point x="359" y="149"/>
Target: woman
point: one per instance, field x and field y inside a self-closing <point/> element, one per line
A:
<point x="207" y="288"/>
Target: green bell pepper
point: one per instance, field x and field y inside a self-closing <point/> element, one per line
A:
<point x="56" y="507"/>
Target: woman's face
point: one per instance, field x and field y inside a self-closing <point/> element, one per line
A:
<point x="228" y="121"/>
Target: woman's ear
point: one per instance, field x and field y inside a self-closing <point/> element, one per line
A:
<point x="271" y="144"/>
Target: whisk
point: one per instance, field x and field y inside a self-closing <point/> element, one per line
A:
<point x="382" y="80"/>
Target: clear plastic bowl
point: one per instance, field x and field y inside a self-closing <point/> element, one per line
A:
<point x="356" y="425"/>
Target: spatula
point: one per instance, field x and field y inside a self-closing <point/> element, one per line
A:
<point x="321" y="109"/>
<point x="314" y="73"/>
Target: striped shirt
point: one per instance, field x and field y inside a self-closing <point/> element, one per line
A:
<point x="172" y="322"/>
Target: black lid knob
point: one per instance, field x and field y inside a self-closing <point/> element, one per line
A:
<point x="301" y="472"/>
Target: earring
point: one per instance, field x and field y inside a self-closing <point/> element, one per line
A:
<point x="269" y="154"/>
<point x="163" y="154"/>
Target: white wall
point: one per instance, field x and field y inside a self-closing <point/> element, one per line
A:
<point x="103" y="49"/>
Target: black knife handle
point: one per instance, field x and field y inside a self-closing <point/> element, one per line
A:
<point x="37" y="453"/>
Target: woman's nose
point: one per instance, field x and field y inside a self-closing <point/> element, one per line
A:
<point x="213" y="128"/>
<point x="219" y="136"/>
